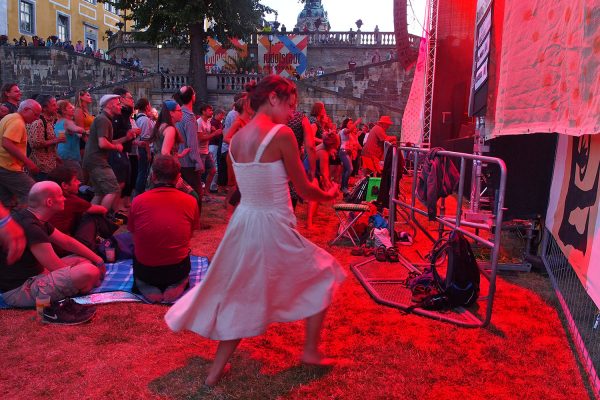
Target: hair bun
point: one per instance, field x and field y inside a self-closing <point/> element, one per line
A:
<point x="250" y="86"/>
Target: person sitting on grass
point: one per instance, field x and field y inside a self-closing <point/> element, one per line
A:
<point x="162" y="221"/>
<point x="79" y="218"/>
<point x="40" y="272"/>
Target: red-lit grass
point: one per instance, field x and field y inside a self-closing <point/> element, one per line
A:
<point x="127" y="352"/>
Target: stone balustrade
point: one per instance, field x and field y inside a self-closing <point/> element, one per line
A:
<point x="316" y="39"/>
<point x="217" y="83"/>
<point x="230" y="83"/>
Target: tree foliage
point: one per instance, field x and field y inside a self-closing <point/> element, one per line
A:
<point x="189" y="23"/>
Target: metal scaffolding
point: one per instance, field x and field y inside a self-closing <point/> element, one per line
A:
<point x="431" y="26"/>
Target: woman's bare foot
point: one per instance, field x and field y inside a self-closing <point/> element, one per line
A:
<point x="317" y="359"/>
<point x="213" y="380"/>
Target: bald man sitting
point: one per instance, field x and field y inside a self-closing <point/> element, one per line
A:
<point x="40" y="271"/>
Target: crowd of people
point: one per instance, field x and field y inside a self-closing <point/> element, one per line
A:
<point x="262" y="154"/>
<point x="79" y="47"/>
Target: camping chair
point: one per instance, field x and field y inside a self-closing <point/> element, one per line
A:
<point x="348" y="214"/>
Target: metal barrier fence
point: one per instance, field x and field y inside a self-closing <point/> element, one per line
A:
<point x="581" y="313"/>
<point x="391" y="289"/>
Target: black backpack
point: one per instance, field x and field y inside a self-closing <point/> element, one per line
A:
<point x="461" y="284"/>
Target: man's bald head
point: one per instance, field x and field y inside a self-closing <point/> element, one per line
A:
<point x="30" y="110"/>
<point x="42" y="192"/>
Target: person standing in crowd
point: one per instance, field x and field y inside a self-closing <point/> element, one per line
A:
<point x="245" y="115"/>
<point x="348" y="150"/>
<point x="223" y="177"/>
<point x="191" y="165"/>
<point x="325" y="152"/>
<point x="146" y="125"/>
<point x="10" y="97"/>
<point x="124" y="133"/>
<point x="318" y="117"/>
<point x="206" y="133"/>
<point x="14" y="182"/>
<point x="162" y="221"/>
<point x="69" y="151"/>
<point x="214" y="146"/>
<point x="99" y="145"/>
<point x="247" y="265"/>
<point x="83" y="117"/>
<point x="372" y="152"/>
<point x="41" y="137"/>
<point x="305" y="138"/>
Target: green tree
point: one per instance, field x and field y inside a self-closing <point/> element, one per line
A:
<point x="189" y="23"/>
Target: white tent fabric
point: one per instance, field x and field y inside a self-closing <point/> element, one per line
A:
<point x="412" y="120"/>
<point x="549" y="68"/>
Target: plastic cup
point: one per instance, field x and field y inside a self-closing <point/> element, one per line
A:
<point x="41" y="301"/>
<point x="110" y="254"/>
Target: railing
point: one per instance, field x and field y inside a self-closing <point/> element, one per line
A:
<point x="172" y="82"/>
<point x="219" y="83"/>
<point x="230" y="83"/>
<point x="349" y="38"/>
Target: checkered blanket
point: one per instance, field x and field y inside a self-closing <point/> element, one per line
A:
<point x="118" y="283"/>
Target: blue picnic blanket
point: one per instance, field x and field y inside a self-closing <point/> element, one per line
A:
<point x="118" y="282"/>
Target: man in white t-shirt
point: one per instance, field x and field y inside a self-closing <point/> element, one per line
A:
<point x="206" y="132"/>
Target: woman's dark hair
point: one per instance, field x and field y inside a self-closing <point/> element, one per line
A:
<point x="283" y="88"/>
<point x="164" y="117"/>
<point x="44" y="99"/>
<point x="7" y="87"/>
<point x="142" y="104"/>
<point x="331" y="140"/>
<point x="316" y="109"/>
<point x="239" y="103"/>
<point x="184" y="95"/>
<point x="345" y="122"/>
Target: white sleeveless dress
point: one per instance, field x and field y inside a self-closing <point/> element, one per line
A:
<point x="264" y="271"/>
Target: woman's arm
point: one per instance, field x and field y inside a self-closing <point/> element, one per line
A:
<point x="323" y="156"/>
<point x="71" y="126"/>
<point x="233" y="129"/>
<point x="36" y="136"/>
<point x="168" y="141"/>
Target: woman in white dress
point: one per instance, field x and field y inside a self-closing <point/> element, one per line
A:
<point x="264" y="271"/>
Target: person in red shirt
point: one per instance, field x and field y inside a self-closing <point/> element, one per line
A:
<point x="162" y="221"/>
<point x="372" y="152"/>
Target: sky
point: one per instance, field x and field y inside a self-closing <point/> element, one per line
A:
<point x="343" y="13"/>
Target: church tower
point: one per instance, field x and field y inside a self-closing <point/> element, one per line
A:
<point x="313" y="17"/>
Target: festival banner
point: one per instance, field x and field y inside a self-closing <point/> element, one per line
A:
<point x="572" y="215"/>
<point x="217" y="56"/>
<point x="549" y="68"/>
<point x="283" y="55"/>
<point x="412" y="120"/>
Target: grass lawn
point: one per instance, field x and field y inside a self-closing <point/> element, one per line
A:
<point x="127" y="351"/>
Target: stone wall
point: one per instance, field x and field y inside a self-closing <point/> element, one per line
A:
<point x="59" y="72"/>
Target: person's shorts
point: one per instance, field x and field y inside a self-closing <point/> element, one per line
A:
<point x="207" y="161"/>
<point x="57" y="284"/>
<point x="121" y="166"/>
<point x="104" y="181"/>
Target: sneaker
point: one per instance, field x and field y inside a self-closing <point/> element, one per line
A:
<point x="67" y="312"/>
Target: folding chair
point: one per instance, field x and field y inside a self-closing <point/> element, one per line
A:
<point x="348" y="214"/>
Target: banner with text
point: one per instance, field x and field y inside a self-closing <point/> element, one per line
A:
<point x="283" y="55"/>
<point x="572" y="214"/>
<point x="217" y="56"/>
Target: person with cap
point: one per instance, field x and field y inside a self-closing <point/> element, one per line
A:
<point x="372" y="152"/>
<point x="95" y="160"/>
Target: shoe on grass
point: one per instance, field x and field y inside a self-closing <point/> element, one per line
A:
<point x="67" y="312"/>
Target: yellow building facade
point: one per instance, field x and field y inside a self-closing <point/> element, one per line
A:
<point x="74" y="20"/>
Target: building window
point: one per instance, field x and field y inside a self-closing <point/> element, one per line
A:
<point x="91" y="36"/>
<point x="63" y="27"/>
<point x="26" y="17"/>
<point x="110" y="8"/>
